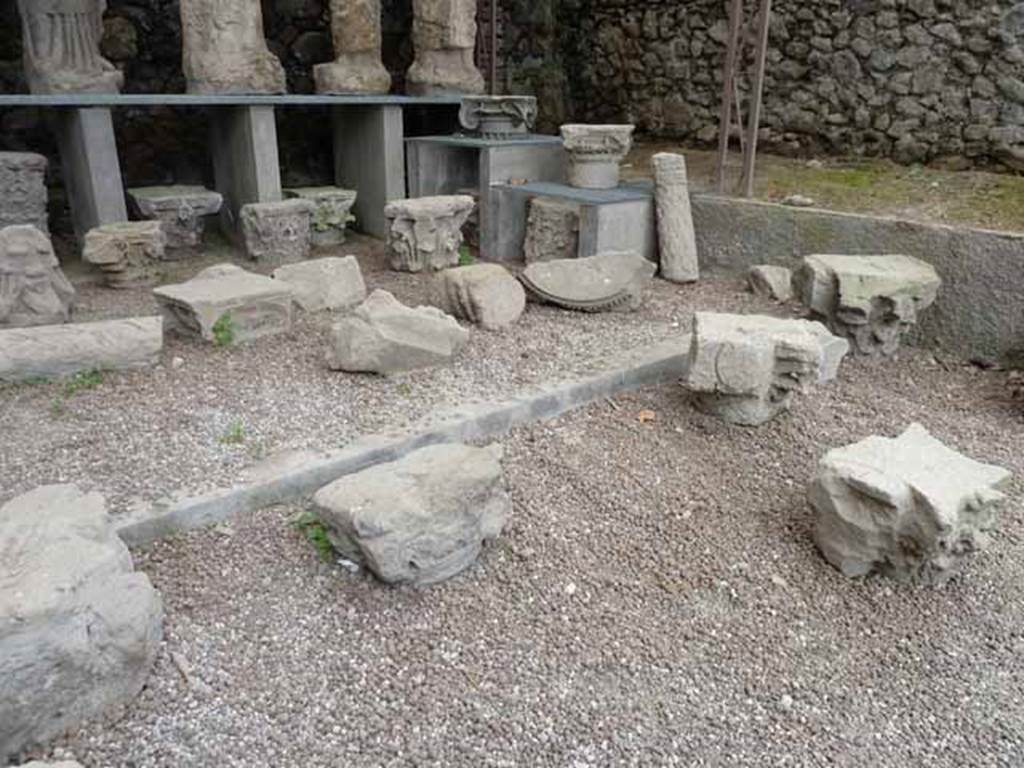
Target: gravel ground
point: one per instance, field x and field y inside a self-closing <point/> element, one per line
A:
<point x="142" y="436"/>
<point x="656" y="600"/>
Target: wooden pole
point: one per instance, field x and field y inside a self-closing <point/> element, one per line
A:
<point x="728" y="81"/>
<point x="756" y="94"/>
<point x="494" y="47"/>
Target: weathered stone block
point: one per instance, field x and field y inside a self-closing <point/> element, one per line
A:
<point x="498" y="117"/>
<point x="182" y="210"/>
<point x="552" y="230"/>
<point x="595" y="152"/>
<point x="422" y="519"/>
<point x="23" y="190"/>
<point x="79" y="628"/>
<point x="63" y="350"/>
<point x="278" y="233"/>
<point x="745" y="369"/>
<point x="871" y="300"/>
<point x="246" y="306"/>
<point x="444" y="38"/>
<point x="331" y="283"/>
<point x="909" y="508"/>
<point x="384" y="336"/>
<point x="485" y="294"/>
<point x="677" y="242"/>
<point x="33" y="289"/>
<point x="356" y="28"/>
<point x="129" y="253"/>
<point x="608" y="282"/>
<point x="771" y="281"/>
<point x="425" y="233"/>
<point x="332" y="213"/>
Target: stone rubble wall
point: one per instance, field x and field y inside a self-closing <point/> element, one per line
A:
<point x="914" y="80"/>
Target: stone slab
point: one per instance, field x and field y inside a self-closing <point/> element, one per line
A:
<point x="324" y="284"/>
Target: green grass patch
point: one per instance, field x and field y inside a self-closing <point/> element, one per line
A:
<point x="224" y="331"/>
<point x="234" y="435"/>
<point x="466" y="257"/>
<point x="316" y="534"/>
<point x="82" y="381"/>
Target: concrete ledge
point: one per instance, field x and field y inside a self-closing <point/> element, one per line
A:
<point x="482" y="421"/>
<point x="980" y="309"/>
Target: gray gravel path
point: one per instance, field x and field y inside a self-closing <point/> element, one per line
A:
<point x="142" y="436"/>
<point x="656" y="601"/>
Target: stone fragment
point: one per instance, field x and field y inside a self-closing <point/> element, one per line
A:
<point x="771" y="282"/>
<point x="745" y="369"/>
<point x="58" y="764"/>
<point x="356" y="28"/>
<point x="182" y="210"/>
<point x="421" y="519"/>
<point x="278" y="233"/>
<point x="224" y="49"/>
<point x="79" y="627"/>
<point x="33" y="289"/>
<point x="61" y="47"/>
<point x="485" y="294"/>
<point x="332" y="213"/>
<point x="833" y="350"/>
<point x="330" y="283"/>
<point x="909" y="508"/>
<point x="871" y="300"/>
<point x="607" y="282"/>
<point x="552" y="230"/>
<point x="384" y="336"/>
<point x="129" y="253"/>
<point x="677" y="242"/>
<point x="227" y="305"/>
<point x="62" y="350"/>
<point x="425" y="233"/>
<point x="498" y="117"/>
<point x="444" y="38"/>
<point x="595" y="152"/>
<point x="23" y="190"/>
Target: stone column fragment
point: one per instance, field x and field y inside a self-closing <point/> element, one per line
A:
<point x="130" y="253"/>
<point x="33" y="289"/>
<point x="224" y="49"/>
<point x="444" y="33"/>
<point x="23" y="190"/>
<point x="425" y="233"/>
<point x="595" y="152"/>
<point x="677" y="242"/>
<point x="181" y="210"/>
<point x="355" y="26"/>
<point x="61" y="47"/>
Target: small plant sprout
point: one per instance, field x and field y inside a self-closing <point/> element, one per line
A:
<point x="309" y="524"/>
<point x="235" y="434"/>
<point x="82" y="381"/>
<point x="224" y="331"/>
<point x="465" y="256"/>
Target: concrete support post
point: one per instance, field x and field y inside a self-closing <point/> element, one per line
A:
<point x="245" y="159"/>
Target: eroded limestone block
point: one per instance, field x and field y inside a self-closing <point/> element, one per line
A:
<point x="677" y="241"/>
<point x="278" y="233"/>
<point x="227" y="305"/>
<point x="61" y="47"/>
<point x="909" y="508"/>
<point x="444" y="36"/>
<point x="497" y="117"/>
<point x="182" y="210"/>
<point x="595" y="152"/>
<point x="425" y="233"/>
<point x="321" y="284"/>
<point x="130" y="253"/>
<point x="746" y="369"/>
<point x="485" y="294"/>
<point x="23" y="190"/>
<point x="871" y="300"/>
<point x="224" y="49"/>
<point x="62" y="350"/>
<point x="33" y="289"/>
<point x="384" y="336"/>
<point x="79" y="627"/>
<point x="607" y="282"/>
<point x="332" y="213"/>
<point x="356" y="28"/>
<point x="771" y="281"/>
<point x="421" y="519"/>
<point x="552" y="230"/>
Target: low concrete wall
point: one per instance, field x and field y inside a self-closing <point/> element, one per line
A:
<point x="980" y="310"/>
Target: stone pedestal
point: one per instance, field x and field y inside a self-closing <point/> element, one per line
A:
<point x="355" y="25"/>
<point x="331" y="215"/>
<point x="181" y="210"/>
<point x="425" y="233"/>
<point x="33" y="289"/>
<point x="61" y="47"/>
<point x="23" y="190"/>
<point x="552" y="230"/>
<point x="595" y="152"/>
<point x="278" y="233"/>
<point x="444" y="35"/>
<point x="224" y="49"/>
<point x="677" y="242"/>
<point x="498" y="117"/>
<point x="129" y="253"/>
